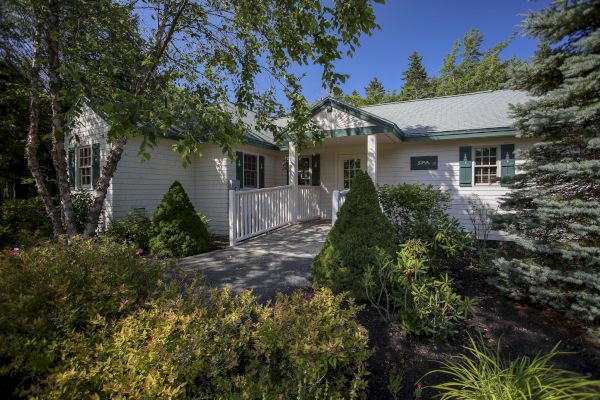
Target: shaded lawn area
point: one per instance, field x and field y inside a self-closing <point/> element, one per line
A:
<point x="521" y="328"/>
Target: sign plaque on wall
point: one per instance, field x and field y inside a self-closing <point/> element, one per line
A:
<point x="424" y="162"/>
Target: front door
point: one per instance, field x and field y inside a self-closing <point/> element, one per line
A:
<point x="347" y="166"/>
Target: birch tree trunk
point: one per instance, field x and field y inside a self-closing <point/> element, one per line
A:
<point x="31" y="147"/>
<point x="163" y="37"/>
<point x="59" y="155"/>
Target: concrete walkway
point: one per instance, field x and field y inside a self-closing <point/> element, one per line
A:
<point x="271" y="263"/>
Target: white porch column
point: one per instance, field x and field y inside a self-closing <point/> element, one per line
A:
<point x="293" y="180"/>
<point x="372" y="157"/>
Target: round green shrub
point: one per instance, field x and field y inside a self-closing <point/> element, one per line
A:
<point x="351" y="246"/>
<point x="177" y="230"/>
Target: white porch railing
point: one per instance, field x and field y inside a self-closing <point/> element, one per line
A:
<point x="308" y="203"/>
<point x="338" y="198"/>
<point x="253" y="212"/>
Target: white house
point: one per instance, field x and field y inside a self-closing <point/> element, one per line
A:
<point x="460" y="144"/>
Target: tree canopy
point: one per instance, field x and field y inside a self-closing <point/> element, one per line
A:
<point x="196" y="56"/>
<point x="467" y="68"/>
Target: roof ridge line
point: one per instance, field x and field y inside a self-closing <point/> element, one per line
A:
<point x="436" y="97"/>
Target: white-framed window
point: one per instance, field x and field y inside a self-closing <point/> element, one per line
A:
<point x="84" y="166"/>
<point x="485" y="165"/>
<point x="250" y="170"/>
<point x="351" y="166"/>
<point x="304" y="171"/>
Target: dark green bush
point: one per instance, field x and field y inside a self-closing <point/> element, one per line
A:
<point x="134" y="229"/>
<point x="416" y="211"/>
<point x="420" y="212"/>
<point x="52" y="291"/>
<point x="351" y="246"/>
<point x="177" y="231"/>
<point x="23" y="223"/>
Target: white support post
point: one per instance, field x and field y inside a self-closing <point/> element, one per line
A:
<point x="293" y="171"/>
<point x="233" y="211"/>
<point x="372" y="157"/>
<point x="335" y="204"/>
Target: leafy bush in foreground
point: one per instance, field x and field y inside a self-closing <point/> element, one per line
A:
<point x="177" y="231"/>
<point x="352" y="243"/>
<point x="484" y="375"/>
<point x="92" y="320"/>
<point x="53" y="290"/>
<point x="217" y="345"/>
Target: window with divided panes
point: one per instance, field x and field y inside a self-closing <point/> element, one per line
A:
<point x="486" y="165"/>
<point x="350" y="169"/>
<point x="250" y="170"/>
<point x="84" y="160"/>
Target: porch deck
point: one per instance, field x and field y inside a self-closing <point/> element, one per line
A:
<point x="275" y="262"/>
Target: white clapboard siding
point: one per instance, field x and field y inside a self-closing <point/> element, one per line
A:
<point x="393" y="167"/>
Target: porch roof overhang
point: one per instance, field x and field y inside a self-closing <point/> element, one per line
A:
<point x="376" y="123"/>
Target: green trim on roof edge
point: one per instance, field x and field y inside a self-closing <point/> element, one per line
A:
<point x="451" y="135"/>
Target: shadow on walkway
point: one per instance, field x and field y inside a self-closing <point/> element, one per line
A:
<point x="271" y="263"/>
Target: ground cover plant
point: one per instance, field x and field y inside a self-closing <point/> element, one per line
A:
<point x="176" y="229"/>
<point x="95" y="320"/>
<point x="353" y="242"/>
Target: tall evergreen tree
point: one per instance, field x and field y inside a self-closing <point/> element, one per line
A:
<point x="375" y="91"/>
<point x="555" y="209"/>
<point x="416" y="83"/>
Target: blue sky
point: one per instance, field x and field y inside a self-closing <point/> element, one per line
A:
<point x="429" y="27"/>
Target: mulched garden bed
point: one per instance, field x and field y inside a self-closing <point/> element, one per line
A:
<point x="523" y="330"/>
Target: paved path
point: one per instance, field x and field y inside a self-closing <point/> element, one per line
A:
<point x="271" y="263"/>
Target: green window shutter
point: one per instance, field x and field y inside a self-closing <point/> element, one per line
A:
<point x="316" y="170"/>
<point x="239" y="167"/>
<point x="95" y="164"/>
<point x="507" y="164"/>
<point x="261" y="171"/>
<point x="465" y="165"/>
<point x="71" y="166"/>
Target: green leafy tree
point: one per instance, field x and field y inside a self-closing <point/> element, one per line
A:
<point x="178" y="73"/>
<point x="554" y="208"/>
<point x="359" y="234"/>
<point x="416" y="82"/>
<point x="177" y="230"/>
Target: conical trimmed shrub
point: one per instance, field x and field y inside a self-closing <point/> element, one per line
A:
<point x="352" y="243"/>
<point x="177" y="231"/>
